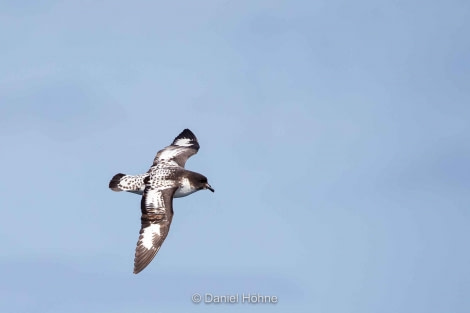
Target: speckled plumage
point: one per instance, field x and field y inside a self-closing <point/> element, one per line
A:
<point x="166" y="179"/>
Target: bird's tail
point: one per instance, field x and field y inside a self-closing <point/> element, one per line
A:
<point x="130" y="183"/>
<point x="114" y="183"/>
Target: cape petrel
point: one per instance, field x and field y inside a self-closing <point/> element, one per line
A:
<point x="166" y="179"/>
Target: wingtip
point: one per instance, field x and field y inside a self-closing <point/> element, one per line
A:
<point x="138" y="270"/>
<point x="186" y="133"/>
<point x="187" y="130"/>
<point x="186" y="138"/>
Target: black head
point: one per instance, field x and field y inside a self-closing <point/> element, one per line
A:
<point x="200" y="181"/>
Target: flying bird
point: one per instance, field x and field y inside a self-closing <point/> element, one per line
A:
<point x="166" y="179"/>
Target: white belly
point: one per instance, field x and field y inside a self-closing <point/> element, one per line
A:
<point x="184" y="190"/>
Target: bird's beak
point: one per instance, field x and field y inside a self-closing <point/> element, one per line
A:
<point x="209" y="187"/>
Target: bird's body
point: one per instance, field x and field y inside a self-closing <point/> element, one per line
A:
<point x="166" y="179"/>
<point x="135" y="183"/>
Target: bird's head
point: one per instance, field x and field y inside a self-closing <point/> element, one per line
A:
<point x="203" y="184"/>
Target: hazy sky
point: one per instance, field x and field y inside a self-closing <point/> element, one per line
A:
<point x="335" y="133"/>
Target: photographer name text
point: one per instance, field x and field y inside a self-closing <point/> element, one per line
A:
<point x="253" y="298"/>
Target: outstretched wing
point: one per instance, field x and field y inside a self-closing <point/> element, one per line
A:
<point x="184" y="146"/>
<point x="157" y="213"/>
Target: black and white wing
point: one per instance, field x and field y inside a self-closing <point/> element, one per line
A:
<point x="157" y="213"/>
<point x="184" y="146"/>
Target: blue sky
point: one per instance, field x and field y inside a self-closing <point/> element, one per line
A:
<point x="335" y="133"/>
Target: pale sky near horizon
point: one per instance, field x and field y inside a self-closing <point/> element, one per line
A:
<point x="336" y="135"/>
